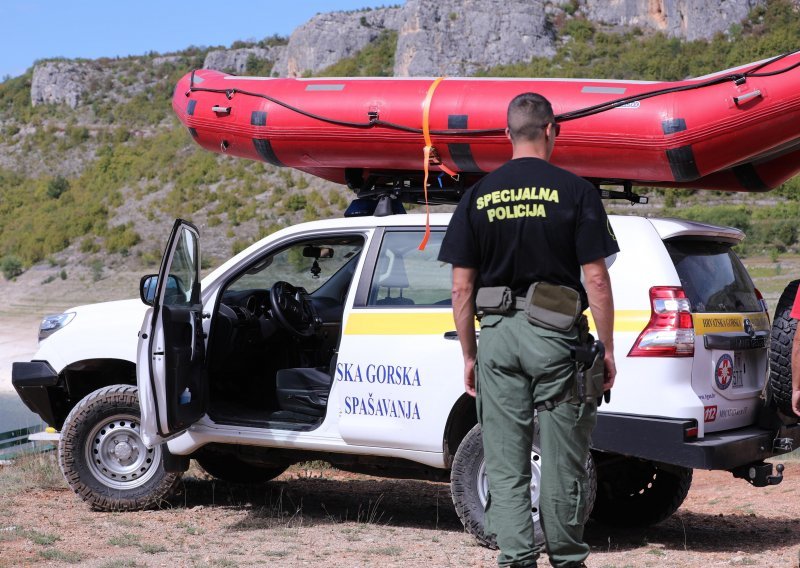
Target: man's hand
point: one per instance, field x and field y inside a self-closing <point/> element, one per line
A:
<point x="469" y="377"/>
<point x="598" y="288"/>
<point x="463" y="294"/>
<point x="796" y="373"/>
<point x="610" y="371"/>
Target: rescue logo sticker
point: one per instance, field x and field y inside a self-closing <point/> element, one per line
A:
<point x="391" y="400"/>
<point x="709" y="413"/>
<point x="723" y="373"/>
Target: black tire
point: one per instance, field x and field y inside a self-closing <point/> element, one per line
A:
<point x="103" y="457"/>
<point x="233" y="470"/>
<point x="468" y="486"/>
<point x="635" y="493"/>
<point x="780" y="351"/>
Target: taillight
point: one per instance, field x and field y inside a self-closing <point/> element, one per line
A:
<point x="762" y="302"/>
<point x="670" y="331"/>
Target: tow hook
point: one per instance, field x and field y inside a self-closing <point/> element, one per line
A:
<point x="759" y="474"/>
<point x="783" y="445"/>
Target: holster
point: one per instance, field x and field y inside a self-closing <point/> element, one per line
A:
<point x="590" y="366"/>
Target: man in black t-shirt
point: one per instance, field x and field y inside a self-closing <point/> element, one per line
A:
<point x="530" y="221"/>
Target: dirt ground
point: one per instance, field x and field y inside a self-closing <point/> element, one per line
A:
<point x="325" y="518"/>
<point x="316" y="516"/>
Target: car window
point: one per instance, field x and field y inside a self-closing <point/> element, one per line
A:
<point x="407" y="276"/>
<point x="308" y="264"/>
<point x="182" y="271"/>
<point x="713" y="277"/>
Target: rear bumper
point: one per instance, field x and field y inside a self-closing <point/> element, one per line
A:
<point x="34" y="382"/>
<point x="662" y="440"/>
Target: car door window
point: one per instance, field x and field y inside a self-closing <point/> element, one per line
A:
<point x="407" y="276"/>
<point x="305" y="264"/>
<point x="183" y="271"/>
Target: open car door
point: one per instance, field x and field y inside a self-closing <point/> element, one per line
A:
<point x="170" y="364"/>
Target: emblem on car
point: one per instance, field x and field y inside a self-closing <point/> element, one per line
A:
<point x="748" y="327"/>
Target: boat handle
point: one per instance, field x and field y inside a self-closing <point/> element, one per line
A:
<point x="746" y="97"/>
<point x="221" y="109"/>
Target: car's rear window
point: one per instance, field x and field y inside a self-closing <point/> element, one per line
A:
<point x="713" y="277"/>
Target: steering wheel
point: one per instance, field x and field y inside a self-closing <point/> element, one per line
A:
<point x="293" y="309"/>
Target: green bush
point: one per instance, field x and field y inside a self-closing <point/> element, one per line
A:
<point x="57" y="186"/>
<point x="11" y="267"/>
<point x="375" y="60"/>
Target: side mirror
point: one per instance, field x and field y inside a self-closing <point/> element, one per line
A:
<point x="175" y="294"/>
<point x="147" y="288"/>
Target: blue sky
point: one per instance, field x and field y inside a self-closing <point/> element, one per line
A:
<point x="39" y="29"/>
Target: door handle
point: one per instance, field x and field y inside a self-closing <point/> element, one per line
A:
<point x="453" y="335"/>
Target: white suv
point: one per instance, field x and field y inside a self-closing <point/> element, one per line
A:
<point x="334" y="340"/>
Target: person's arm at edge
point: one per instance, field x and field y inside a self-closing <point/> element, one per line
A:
<point x="598" y="288"/>
<point x="463" y="296"/>
<point x="796" y="374"/>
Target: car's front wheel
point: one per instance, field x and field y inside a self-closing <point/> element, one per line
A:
<point x="469" y="486"/>
<point x="103" y="457"/>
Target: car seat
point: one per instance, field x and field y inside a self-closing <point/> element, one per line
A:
<point x="390" y="274"/>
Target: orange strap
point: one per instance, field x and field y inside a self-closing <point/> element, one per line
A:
<point x="426" y="154"/>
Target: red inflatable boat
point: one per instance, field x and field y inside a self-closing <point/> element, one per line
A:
<point x="736" y="130"/>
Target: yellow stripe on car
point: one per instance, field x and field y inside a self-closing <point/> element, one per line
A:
<point x="434" y="323"/>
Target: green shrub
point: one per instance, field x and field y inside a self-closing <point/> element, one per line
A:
<point x="57" y="186"/>
<point x="295" y="202"/>
<point x="11" y="267"/>
<point x="375" y="60"/>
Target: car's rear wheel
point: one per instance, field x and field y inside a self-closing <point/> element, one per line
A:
<point x="233" y="470"/>
<point x="103" y="457"/>
<point x="780" y="351"/>
<point x="633" y="492"/>
<point x="469" y="486"/>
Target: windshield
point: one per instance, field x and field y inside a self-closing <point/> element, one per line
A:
<point x="713" y="277"/>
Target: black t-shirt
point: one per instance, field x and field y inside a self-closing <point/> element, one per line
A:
<point x="529" y="221"/>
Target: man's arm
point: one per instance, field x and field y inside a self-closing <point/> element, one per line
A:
<point x="796" y="373"/>
<point x="598" y="287"/>
<point x="463" y="295"/>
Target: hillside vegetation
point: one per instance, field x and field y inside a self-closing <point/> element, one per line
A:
<point x="101" y="183"/>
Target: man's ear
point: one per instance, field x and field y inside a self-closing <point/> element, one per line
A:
<point x="508" y="134"/>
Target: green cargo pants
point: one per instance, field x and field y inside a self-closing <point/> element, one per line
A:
<point x="520" y="365"/>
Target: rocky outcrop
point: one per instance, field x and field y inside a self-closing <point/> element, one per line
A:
<point x="458" y="37"/>
<point x="435" y="37"/>
<point x="235" y="60"/>
<point x="59" y="82"/>
<point x="327" y="38"/>
<point x="687" y="19"/>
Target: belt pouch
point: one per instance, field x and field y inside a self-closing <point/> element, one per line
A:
<point x="494" y="300"/>
<point x="552" y="306"/>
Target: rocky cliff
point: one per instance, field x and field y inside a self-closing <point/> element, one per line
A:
<point x="327" y="38"/>
<point x="435" y="37"/>
<point x="687" y="19"/>
<point x="458" y="37"/>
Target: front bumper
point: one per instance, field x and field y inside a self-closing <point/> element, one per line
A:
<point x="663" y="440"/>
<point x="36" y="383"/>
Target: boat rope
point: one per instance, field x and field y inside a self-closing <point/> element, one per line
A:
<point x="426" y="158"/>
<point x="374" y="121"/>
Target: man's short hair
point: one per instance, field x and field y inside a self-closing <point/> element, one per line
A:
<point x="527" y="113"/>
